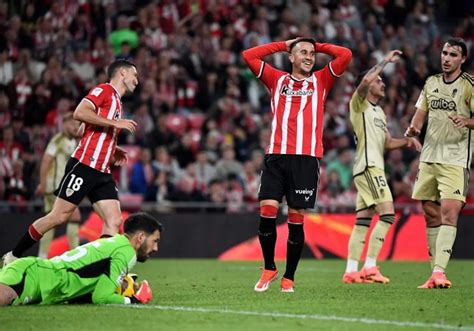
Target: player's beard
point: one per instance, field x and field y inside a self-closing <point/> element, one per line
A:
<point x="142" y="254"/>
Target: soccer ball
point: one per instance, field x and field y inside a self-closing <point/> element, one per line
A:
<point x="128" y="287"/>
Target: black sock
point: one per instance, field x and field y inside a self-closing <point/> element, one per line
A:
<point x="267" y="236"/>
<point x="23" y="245"/>
<point x="294" y="248"/>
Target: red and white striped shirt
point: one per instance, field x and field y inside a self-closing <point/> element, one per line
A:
<point x="98" y="143"/>
<point x="297" y="105"/>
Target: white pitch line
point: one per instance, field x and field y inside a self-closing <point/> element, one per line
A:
<point x="346" y="319"/>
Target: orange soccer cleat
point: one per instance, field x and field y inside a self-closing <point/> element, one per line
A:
<point x="286" y="285"/>
<point x="440" y="280"/>
<point x="373" y="274"/>
<point x="352" y="277"/>
<point x="267" y="277"/>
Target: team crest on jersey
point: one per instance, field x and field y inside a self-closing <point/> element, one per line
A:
<point x="69" y="192"/>
<point x="380" y="124"/>
<point x="287" y="91"/>
<point x="97" y="91"/>
<point x="117" y="115"/>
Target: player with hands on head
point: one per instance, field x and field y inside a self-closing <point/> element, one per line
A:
<point x="291" y="165"/>
<point x="373" y="193"/>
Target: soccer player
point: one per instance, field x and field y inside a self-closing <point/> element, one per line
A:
<point x="57" y="153"/>
<point x="291" y="166"/>
<point x="447" y="100"/>
<point x="373" y="194"/>
<point x="87" y="172"/>
<point x="89" y="273"/>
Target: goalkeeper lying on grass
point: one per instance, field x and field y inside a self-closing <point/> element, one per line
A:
<point x="96" y="272"/>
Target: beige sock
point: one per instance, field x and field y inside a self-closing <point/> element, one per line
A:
<point x="357" y="241"/>
<point x="444" y="245"/>
<point x="431" y="236"/>
<point x="72" y="232"/>
<point x="45" y="243"/>
<point x="377" y="237"/>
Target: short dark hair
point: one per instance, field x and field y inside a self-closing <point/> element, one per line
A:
<point x="458" y="42"/>
<point x="142" y="222"/>
<point x="116" y="65"/>
<point x="300" y="40"/>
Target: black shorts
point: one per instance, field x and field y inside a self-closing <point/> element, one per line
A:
<point x="294" y="176"/>
<point x="80" y="181"/>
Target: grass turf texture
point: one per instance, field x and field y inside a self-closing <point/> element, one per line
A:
<point x="212" y="295"/>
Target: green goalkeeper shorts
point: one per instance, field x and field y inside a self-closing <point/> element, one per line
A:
<point x="22" y="276"/>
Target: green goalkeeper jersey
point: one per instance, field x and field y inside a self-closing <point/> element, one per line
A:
<point x="91" y="272"/>
<point x="444" y="143"/>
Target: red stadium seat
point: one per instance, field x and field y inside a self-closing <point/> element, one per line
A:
<point x="176" y="123"/>
<point x="196" y="121"/>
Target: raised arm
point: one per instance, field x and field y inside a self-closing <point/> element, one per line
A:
<point x="342" y="57"/>
<point x="254" y="56"/>
<point x="373" y="73"/>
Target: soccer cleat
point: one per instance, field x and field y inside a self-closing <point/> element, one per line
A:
<point x="373" y="274"/>
<point x="8" y="258"/>
<point x="428" y="284"/>
<point x="267" y="277"/>
<point x="440" y="280"/>
<point x="352" y="277"/>
<point x="286" y="285"/>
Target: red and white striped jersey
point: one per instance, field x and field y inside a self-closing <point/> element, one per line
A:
<point x="297" y="105"/>
<point x="98" y="143"/>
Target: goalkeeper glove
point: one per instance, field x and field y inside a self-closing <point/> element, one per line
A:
<point x="143" y="294"/>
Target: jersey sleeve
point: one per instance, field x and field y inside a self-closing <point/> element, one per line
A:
<point x="335" y="68"/>
<point x="104" y="292"/>
<point x="98" y="96"/>
<point x="421" y="103"/>
<point x="356" y="102"/>
<point x="262" y="70"/>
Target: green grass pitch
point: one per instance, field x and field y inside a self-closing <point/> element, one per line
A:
<point x="213" y="295"/>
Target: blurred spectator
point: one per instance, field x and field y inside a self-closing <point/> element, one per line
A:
<point x="204" y="171"/>
<point x="228" y="165"/>
<point x="342" y="166"/>
<point x="6" y="67"/>
<point x="15" y="188"/>
<point x="123" y="35"/>
<point x="82" y="67"/>
<point x="143" y="173"/>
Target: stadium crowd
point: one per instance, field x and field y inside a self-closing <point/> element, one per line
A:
<point x="203" y="118"/>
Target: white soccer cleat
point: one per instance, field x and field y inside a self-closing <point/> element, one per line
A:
<point x="8" y="258"/>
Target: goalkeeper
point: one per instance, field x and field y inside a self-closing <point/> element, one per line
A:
<point x="88" y="273"/>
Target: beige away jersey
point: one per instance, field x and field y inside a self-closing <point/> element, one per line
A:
<point x="60" y="148"/>
<point x="370" y="127"/>
<point x="443" y="143"/>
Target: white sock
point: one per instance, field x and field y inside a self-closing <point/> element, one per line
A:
<point x="352" y="265"/>
<point x="370" y="262"/>
<point x="438" y="269"/>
